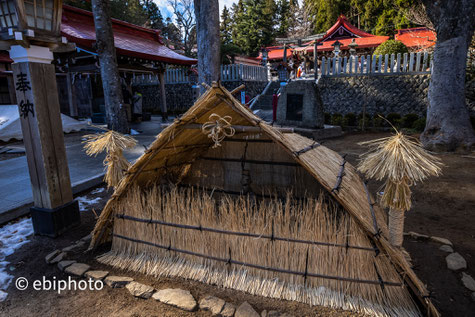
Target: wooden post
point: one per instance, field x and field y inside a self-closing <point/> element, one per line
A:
<point x="35" y="83"/>
<point x="73" y="108"/>
<point x="164" y="109"/>
<point x="315" y="58"/>
<point x="284" y="59"/>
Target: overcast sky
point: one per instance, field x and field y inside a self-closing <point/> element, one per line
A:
<point x="167" y="10"/>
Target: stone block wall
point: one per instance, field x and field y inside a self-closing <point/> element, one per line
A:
<point x="383" y="94"/>
<point x="180" y="96"/>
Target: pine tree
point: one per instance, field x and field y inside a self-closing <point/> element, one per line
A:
<point x="171" y="33"/>
<point x="284" y="17"/>
<point x="225" y="27"/>
<point x="376" y="17"/>
<point x="254" y="25"/>
<point x="155" y="19"/>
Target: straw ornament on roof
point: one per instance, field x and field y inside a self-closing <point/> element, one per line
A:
<point x="402" y="162"/>
<point x="218" y="128"/>
<point x="113" y="143"/>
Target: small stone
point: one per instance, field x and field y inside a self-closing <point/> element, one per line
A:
<point x="60" y="257"/>
<point x="73" y="246"/>
<point x="442" y="241"/>
<point x="86" y="238"/>
<point x="213" y="304"/>
<point x="77" y="269"/>
<point x="417" y="236"/>
<point x="64" y="264"/>
<point x="245" y="310"/>
<point x="446" y="248"/>
<point x="228" y="310"/>
<point x="117" y="281"/>
<point x="468" y="281"/>
<point x="176" y="297"/>
<point x="96" y="275"/>
<point x="68" y="249"/>
<point x="455" y="262"/>
<point x="140" y="290"/>
<point x="51" y="256"/>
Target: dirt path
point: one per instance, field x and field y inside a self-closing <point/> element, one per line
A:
<point x="443" y="207"/>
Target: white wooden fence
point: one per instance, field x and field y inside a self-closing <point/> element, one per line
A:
<point x="235" y="72"/>
<point x="379" y="64"/>
<point x="177" y="75"/>
<point x="232" y="72"/>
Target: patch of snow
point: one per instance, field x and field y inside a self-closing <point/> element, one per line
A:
<point x="97" y="190"/>
<point x="12" y="237"/>
<point x="85" y="202"/>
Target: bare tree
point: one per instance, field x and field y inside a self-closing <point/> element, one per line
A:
<point x="207" y="16"/>
<point x="417" y="14"/>
<point x="300" y="25"/>
<point x="116" y="116"/>
<point x="185" y="19"/>
<point x="448" y="125"/>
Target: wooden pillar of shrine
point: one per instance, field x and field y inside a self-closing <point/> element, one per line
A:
<point x="34" y="78"/>
<point x="163" y="105"/>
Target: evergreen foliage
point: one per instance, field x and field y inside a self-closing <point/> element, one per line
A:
<point x="391" y="47"/>
<point x="254" y="22"/>
<point x="376" y="17"/>
<point x="226" y="26"/>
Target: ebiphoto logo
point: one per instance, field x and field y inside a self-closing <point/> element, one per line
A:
<point x="58" y="286"/>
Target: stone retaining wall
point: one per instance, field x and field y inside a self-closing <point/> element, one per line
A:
<point x="383" y="94"/>
<point x="180" y="96"/>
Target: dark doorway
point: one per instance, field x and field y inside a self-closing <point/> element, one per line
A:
<point x="294" y="107"/>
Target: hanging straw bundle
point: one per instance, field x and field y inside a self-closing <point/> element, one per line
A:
<point x="113" y="143"/>
<point x="402" y="162"/>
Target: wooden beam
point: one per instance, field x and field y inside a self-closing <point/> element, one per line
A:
<point x="164" y="109"/>
<point x="238" y="128"/>
<point x="238" y="89"/>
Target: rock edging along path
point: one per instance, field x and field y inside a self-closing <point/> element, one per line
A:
<point x="455" y="262"/>
<point x="179" y="298"/>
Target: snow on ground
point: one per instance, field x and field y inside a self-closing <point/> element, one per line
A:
<point x="85" y="202"/>
<point x="98" y="190"/>
<point x="12" y="236"/>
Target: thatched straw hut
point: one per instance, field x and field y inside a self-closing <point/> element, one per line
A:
<point x="264" y="210"/>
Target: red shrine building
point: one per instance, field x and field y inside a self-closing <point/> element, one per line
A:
<point x="140" y="52"/>
<point x="417" y="39"/>
<point x="343" y="32"/>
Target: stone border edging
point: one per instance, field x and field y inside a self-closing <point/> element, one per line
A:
<point x="179" y="298"/>
<point x="455" y="262"/>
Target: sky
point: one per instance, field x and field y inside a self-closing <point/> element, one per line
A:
<point x="167" y="10"/>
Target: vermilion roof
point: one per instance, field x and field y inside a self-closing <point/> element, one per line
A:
<point x="343" y="21"/>
<point x="129" y="39"/>
<point x="416" y="37"/>
<point x="279" y="53"/>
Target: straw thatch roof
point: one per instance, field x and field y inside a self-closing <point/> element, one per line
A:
<point x="182" y="142"/>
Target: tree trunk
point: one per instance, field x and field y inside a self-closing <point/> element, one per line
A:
<point x="207" y="24"/>
<point x="396" y="227"/>
<point x="448" y="125"/>
<point x="116" y="116"/>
